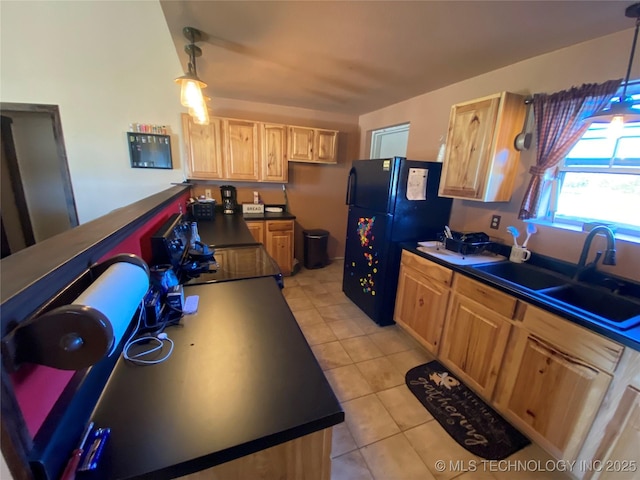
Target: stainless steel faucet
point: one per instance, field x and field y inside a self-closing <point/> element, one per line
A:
<point x="609" y="253"/>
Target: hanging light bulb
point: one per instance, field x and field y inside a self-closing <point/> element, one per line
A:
<point x="191" y="92"/>
<point x="200" y="114"/>
<point x="623" y="111"/>
<point x="190" y="85"/>
<point x="616" y="127"/>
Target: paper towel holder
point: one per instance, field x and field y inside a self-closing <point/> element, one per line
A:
<point x="68" y="337"/>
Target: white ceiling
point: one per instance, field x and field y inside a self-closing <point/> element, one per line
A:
<point x="357" y="56"/>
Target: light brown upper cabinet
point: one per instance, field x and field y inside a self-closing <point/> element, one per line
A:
<point x="241" y="148"/>
<point x="312" y="145"/>
<point x="481" y="160"/>
<point x="274" y="153"/>
<point x="203" y="148"/>
<point x="232" y="149"/>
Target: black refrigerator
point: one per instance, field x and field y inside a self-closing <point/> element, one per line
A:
<point x="390" y="201"/>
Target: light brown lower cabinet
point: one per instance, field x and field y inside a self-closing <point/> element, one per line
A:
<point x="548" y="376"/>
<point x="304" y="458"/>
<point x="421" y="301"/>
<point x="611" y="450"/>
<point x="555" y="397"/>
<point x="257" y="230"/>
<point x="555" y="376"/>
<point x="279" y="243"/>
<point x="277" y="237"/>
<point x="618" y="456"/>
<point x="474" y="342"/>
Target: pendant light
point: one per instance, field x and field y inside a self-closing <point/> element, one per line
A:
<point x="621" y="112"/>
<point x="190" y="85"/>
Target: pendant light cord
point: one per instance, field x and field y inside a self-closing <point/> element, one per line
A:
<point x="633" y="51"/>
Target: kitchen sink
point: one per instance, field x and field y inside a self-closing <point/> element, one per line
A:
<point x="595" y="303"/>
<point x="524" y="275"/>
<point x="621" y="312"/>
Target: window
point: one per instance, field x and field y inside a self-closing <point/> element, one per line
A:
<point x="390" y="142"/>
<point x="599" y="180"/>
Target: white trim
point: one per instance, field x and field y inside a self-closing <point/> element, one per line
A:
<point x="568" y="225"/>
<point x="389" y="133"/>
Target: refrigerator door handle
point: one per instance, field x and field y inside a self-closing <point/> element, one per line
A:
<point x="350" y="185"/>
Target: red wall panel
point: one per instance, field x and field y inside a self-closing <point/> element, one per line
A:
<point x="38" y="387"/>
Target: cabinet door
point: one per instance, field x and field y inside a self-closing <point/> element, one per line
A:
<point x="241" y="147"/>
<point x="274" y="153"/>
<point x="469" y="149"/>
<point x="421" y="305"/>
<point x="619" y="446"/>
<point x="301" y="144"/>
<point x="326" y="143"/>
<point x="555" y="397"/>
<point x="257" y="230"/>
<point x="203" y="147"/>
<point x="474" y="342"/>
<point x="279" y="243"/>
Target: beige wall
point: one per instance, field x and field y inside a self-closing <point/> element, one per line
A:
<point x="106" y="64"/>
<point x="316" y="192"/>
<point x="594" y="61"/>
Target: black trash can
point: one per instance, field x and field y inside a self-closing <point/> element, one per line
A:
<point x="315" y="248"/>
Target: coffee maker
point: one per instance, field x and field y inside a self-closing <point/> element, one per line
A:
<point x="228" y="193"/>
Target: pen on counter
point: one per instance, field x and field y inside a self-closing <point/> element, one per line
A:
<point x="70" y="470"/>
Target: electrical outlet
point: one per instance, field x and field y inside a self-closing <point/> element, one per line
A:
<point x="495" y="222"/>
<point x="207" y="192"/>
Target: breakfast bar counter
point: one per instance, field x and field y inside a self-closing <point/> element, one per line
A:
<point x="241" y="379"/>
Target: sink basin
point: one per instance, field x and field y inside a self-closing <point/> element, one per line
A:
<point x="621" y="312"/>
<point x="524" y="275"/>
<point x="595" y="303"/>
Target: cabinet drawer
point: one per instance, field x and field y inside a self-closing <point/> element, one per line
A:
<point x="279" y="225"/>
<point x="491" y="298"/>
<point x="428" y="268"/>
<point x="573" y="339"/>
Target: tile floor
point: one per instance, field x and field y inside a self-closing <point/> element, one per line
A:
<point x="388" y="434"/>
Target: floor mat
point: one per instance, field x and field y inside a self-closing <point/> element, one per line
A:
<point x="464" y="415"/>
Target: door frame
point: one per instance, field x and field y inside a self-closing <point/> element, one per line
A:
<point x="53" y="111"/>
<point x="9" y="152"/>
<point x="379" y="135"/>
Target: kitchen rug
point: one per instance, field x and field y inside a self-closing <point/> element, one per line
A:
<point x="465" y="416"/>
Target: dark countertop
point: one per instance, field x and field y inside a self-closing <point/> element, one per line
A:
<point x="225" y="231"/>
<point x="630" y="338"/>
<point x="241" y="378"/>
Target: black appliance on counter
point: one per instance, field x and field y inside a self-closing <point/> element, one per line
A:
<point x="390" y="201"/>
<point x="200" y="263"/>
<point x="229" y="199"/>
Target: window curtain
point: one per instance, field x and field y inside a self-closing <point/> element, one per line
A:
<point x="560" y="124"/>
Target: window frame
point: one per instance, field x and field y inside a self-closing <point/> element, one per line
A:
<point x="612" y="166"/>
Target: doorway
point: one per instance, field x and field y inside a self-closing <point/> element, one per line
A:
<point x="37" y="199"/>
<point x="390" y="141"/>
